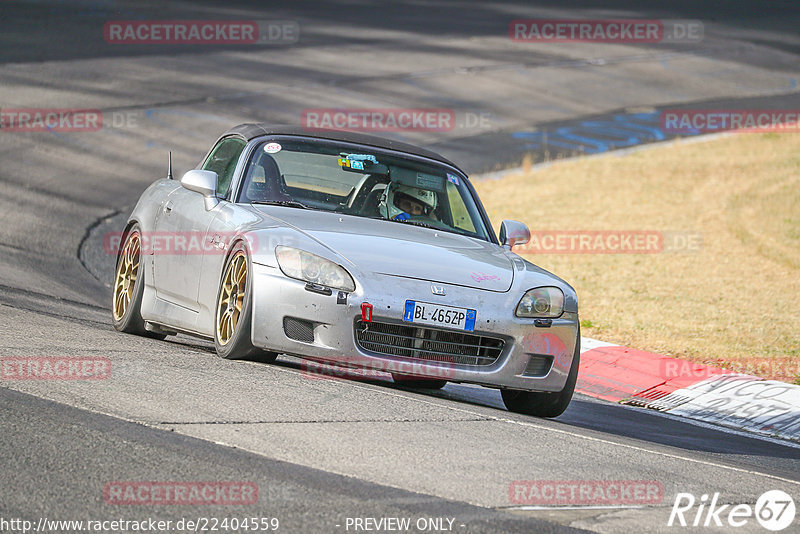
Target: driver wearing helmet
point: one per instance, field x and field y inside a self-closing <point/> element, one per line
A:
<point x="402" y="202"/>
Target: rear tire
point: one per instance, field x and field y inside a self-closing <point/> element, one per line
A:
<point x="126" y="304"/>
<point x="233" y="316"/>
<point x="541" y="404"/>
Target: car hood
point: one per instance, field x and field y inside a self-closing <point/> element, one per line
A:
<point x="402" y="250"/>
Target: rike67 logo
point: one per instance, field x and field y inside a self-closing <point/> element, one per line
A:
<point x="774" y="510"/>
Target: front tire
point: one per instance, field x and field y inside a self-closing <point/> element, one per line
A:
<point x="542" y="404"/>
<point x="126" y="304"/>
<point x="233" y="317"/>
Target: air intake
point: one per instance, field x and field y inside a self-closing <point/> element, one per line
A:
<point x="538" y="365"/>
<point x="298" y="329"/>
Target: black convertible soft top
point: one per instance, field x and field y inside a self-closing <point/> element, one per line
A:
<point x="252" y="130"/>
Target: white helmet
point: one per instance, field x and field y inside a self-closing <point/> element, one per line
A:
<point x="390" y="210"/>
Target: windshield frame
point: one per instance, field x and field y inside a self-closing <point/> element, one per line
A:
<point x="253" y="144"/>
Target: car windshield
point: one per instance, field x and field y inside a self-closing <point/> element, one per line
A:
<point x="361" y="181"/>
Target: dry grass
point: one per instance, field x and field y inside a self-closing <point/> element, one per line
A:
<point x="734" y="303"/>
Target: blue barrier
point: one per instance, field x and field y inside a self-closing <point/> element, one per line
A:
<point x="596" y="135"/>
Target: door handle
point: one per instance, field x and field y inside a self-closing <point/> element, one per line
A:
<point x="168" y="207"/>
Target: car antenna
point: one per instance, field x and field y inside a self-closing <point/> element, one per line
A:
<point x="169" y="170"/>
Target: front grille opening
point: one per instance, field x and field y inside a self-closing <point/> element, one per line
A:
<point x="298" y="329"/>
<point x="430" y="344"/>
<point x="538" y="365"/>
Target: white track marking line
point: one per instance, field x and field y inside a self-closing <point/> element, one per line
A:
<point x="588" y="344"/>
<point x="575" y="507"/>
<point x="574" y="434"/>
<point x="710" y="426"/>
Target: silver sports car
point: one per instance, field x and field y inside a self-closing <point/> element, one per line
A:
<point x="350" y="250"/>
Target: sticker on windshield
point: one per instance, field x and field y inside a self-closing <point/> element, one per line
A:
<point x="452" y="178"/>
<point x="363" y="157"/>
<point x="272" y="148"/>
<point x="357" y="161"/>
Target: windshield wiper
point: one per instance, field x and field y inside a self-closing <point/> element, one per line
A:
<point x="288" y="203"/>
<point x="415" y="223"/>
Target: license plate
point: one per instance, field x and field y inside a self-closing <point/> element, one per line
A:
<point x="438" y="315"/>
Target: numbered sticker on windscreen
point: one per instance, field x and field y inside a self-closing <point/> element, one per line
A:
<point x="272" y="148"/>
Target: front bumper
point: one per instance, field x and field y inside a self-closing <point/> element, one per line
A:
<point x="276" y="297"/>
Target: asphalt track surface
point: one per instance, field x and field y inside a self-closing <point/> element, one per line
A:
<point x="321" y="451"/>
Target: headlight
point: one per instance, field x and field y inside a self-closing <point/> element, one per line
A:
<point x="541" y="303"/>
<point x="309" y="267"/>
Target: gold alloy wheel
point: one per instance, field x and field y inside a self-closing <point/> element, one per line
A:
<point x="127" y="272"/>
<point x="231" y="297"/>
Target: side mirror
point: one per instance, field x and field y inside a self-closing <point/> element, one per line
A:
<point x="513" y="233"/>
<point x="203" y="182"/>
